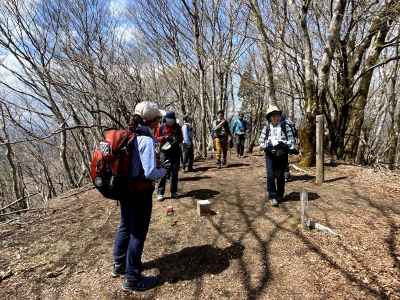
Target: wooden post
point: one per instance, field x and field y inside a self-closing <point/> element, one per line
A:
<point x="320" y="150"/>
<point x="203" y="207"/>
<point x="303" y="208"/>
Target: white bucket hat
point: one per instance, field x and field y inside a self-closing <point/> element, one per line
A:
<point x="147" y="110"/>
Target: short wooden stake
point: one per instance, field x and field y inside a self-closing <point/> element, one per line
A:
<point x="320" y="150"/>
<point x="303" y="209"/>
<point x="203" y="207"/>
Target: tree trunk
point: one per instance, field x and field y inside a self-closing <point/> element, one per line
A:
<point x="357" y="114"/>
<point x="394" y="130"/>
<point x="10" y="154"/>
<point x="313" y="100"/>
<point x="307" y="130"/>
<point x="265" y="51"/>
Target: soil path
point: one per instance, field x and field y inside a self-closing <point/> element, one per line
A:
<point x="246" y="250"/>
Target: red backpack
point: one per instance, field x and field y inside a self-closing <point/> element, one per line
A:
<point x="109" y="168"/>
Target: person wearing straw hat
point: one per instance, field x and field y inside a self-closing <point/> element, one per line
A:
<point x="276" y="140"/>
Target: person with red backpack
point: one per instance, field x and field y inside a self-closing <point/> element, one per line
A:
<point x="136" y="204"/>
<point x="277" y="141"/>
<point x="170" y="137"/>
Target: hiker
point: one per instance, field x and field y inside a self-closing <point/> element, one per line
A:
<point x="136" y="205"/>
<point x="239" y="129"/>
<point x="221" y="134"/>
<point x="294" y="150"/>
<point x="169" y="135"/>
<point x="276" y="140"/>
<point x="187" y="145"/>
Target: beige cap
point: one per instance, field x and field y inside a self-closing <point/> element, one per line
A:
<point x="273" y="109"/>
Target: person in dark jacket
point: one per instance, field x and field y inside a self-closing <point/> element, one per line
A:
<point x="277" y="140"/>
<point x="221" y="134"/>
<point x="136" y="205"/>
<point x="169" y="135"/>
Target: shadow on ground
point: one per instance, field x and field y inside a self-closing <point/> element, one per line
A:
<point x="203" y="169"/>
<point x="194" y="178"/>
<point x="336" y="179"/>
<point x="295" y="196"/>
<point x="301" y="177"/>
<point x="202" y="194"/>
<point x="194" y="262"/>
<point x="237" y="165"/>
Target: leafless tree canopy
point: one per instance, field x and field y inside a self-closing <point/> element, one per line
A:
<point x="70" y="68"/>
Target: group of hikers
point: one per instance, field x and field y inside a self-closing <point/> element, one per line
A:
<point x="160" y="146"/>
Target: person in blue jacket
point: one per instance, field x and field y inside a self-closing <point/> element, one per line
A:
<point x="136" y="205"/>
<point x="187" y="145"/>
<point x="239" y="129"/>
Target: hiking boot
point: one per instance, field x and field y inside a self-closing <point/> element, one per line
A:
<point x="160" y="198"/>
<point x="274" y="202"/>
<point x="174" y="195"/>
<point x="219" y="164"/>
<point x="144" y="284"/>
<point x="118" y="270"/>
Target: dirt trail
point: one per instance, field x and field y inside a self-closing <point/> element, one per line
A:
<point x="247" y="250"/>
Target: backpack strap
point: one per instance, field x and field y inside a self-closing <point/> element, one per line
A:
<point x="284" y="129"/>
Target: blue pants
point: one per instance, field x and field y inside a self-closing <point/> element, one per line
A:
<point x="132" y="232"/>
<point x="276" y="176"/>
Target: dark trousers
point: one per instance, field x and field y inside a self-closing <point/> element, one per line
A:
<point x="276" y="176"/>
<point x="240" y="141"/>
<point x="187" y="156"/>
<point x="172" y="173"/>
<point x="132" y="232"/>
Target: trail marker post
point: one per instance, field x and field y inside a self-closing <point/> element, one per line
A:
<point x="320" y="150"/>
<point x="303" y="209"/>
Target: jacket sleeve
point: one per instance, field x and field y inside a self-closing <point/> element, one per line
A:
<point x="214" y="125"/>
<point x="233" y="127"/>
<point x="157" y="134"/>
<point x="185" y="134"/>
<point x="148" y="159"/>
<point x="263" y="138"/>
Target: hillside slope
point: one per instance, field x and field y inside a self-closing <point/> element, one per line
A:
<point x="246" y="250"/>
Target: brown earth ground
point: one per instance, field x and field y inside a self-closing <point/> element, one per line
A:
<point x="245" y="250"/>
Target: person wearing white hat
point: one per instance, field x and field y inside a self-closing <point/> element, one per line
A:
<point x="276" y="139"/>
<point x="136" y="206"/>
